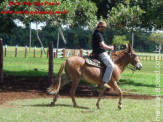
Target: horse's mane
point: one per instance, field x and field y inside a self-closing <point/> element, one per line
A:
<point x="116" y="55"/>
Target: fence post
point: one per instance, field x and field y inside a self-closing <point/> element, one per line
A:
<point x="1" y="60"/>
<point x="16" y="50"/>
<point x="5" y="50"/>
<point x="143" y="56"/>
<point x="81" y="52"/>
<point x="150" y="57"/>
<point x="87" y="52"/>
<point x="41" y="52"/>
<point x="146" y="56"/>
<point x="50" y="62"/>
<point x="25" y="51"/>
<point x="47" y="52"/>
<point x="63" y="52"/>
<point x="55" y="53"/>
<point x="139" y="55"/>
<point x="34" y="51"/>
<point x="74" y="52"/>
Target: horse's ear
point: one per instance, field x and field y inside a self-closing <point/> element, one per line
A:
<point x="129" y="49"/>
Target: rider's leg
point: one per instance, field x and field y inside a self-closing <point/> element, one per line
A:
<point x="109" y="69"/>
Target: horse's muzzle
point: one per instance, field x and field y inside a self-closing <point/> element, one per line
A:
<point x="138" y="66"/>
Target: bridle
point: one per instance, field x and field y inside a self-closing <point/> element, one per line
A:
<point x="129" y="66"/>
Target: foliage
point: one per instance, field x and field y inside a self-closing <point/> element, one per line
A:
<point x="120" y="40"/>
<point x="80" y="13"/>
<point x="105" y="6"/>
<point x="125" y="17"/>
<point x="153" y="17"/>
<point x="76" y="38"/>
<point x="131" y="14"/>
<point x="156" y="37"/>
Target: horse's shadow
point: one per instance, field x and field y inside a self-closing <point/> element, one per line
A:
<point x="60" y="105"/>
<point x="133" y="83"/>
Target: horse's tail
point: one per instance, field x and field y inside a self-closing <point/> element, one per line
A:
<point x="55" y="86"/>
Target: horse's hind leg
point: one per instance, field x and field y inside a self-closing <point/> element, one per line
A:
<point x="65" y="81"/>
<point x="54" y="100"/>
<point x="99" y="98"/>
<point x="72" y="92"/>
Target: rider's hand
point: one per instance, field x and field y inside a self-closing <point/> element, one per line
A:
<point x="112" y="47"/>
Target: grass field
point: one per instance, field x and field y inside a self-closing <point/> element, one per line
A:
<point x="38" y="110"/>
<point x="141" y="82"/>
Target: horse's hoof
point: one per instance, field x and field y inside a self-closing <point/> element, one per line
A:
<point x="98" y="107"/>
<point x="120" y="107"/>
<point x="52" y="104"/>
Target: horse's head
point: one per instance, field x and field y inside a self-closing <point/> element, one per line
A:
<point x="133" y="58"/>
<point x="128" y="54"/>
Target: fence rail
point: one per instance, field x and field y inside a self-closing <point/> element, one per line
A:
<point x="63" y="53"/>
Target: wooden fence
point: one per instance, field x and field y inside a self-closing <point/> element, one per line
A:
<point x="63" y="53"/>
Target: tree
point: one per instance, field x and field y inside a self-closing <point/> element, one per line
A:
<point x="126" y="17"/>
<point x="148" y="12"/>
<point x="158" y="38"/>
<point x="105" y="6"/>
<point x="80" y="13"/>
<point x="120" y="40"/>
<point x="152" y="18"/>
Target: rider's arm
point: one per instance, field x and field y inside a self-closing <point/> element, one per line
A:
<point x="102" y="44"/>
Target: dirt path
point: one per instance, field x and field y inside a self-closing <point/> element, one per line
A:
<point x="19" y="88"/>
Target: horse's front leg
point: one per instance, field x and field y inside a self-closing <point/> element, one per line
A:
<point x="99" y="97"/>
<point x="116" y="87"/>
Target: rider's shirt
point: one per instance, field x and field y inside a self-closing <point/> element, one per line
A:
<point x="96" y="39"/>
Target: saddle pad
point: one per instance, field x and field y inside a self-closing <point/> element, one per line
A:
<point x="91" y="62"/>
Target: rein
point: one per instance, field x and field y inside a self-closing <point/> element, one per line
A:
<point x="129" y="66"/>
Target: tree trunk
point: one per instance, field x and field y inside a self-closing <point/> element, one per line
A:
<point x="132" y="40"/>
<point x="1" y="60"/>
<point x="57" y="43"/>
<point x="50" y="62"/>
<point x="30" y="39"/>
<point x="39" y="38"/>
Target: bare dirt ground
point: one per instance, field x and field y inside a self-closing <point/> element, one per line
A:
<point x="19" y="88"/>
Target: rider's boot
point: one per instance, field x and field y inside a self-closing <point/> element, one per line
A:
<point x="106" y="85"/>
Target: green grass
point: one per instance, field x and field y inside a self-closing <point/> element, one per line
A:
<point x="25" y="66"/>
<point x="38" y="110"/>
<point x="141" y="82"/>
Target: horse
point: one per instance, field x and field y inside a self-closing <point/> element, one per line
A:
<point x="76" y="68"/>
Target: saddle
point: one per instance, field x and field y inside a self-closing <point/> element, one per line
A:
<point x="94" y="60"/>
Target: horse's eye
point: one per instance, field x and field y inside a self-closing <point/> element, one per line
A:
<point x="133" y="55"/>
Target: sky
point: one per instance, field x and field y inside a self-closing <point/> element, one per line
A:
<point x="33" y="25"/>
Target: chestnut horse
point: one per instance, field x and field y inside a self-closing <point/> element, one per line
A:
<point x="76" y="68"/>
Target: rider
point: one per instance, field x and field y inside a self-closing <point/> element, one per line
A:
<point x="98" y="47"/>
